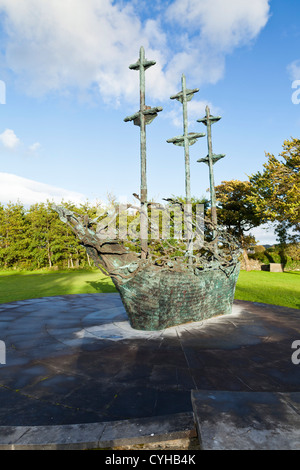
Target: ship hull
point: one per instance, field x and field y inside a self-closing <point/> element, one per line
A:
<point x="156" y="299"/>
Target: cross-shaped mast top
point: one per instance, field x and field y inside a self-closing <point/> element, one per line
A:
<point x="144" y="116"/>
<point x="187" y="138"/>
<point x="210" y="160"/>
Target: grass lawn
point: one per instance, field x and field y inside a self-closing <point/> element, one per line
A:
<point x="30" y="285"/>
<point x="257" y="286"/>
<point x="271" y="288"/>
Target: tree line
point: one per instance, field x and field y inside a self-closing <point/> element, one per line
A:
<point x="270" y="195"/>
<point x="35" y="238"/>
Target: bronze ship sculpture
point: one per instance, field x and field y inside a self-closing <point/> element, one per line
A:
<point x="170" y="281"/>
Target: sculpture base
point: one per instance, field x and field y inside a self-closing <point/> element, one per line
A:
<point x="155" y="299"/>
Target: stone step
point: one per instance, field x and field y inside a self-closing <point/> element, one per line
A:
<point x="228" y="420"/>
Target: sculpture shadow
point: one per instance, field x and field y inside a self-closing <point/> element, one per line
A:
<point x="66" y="378"/>
<point x="143" y="378"/>
<point x="104" y="286"/>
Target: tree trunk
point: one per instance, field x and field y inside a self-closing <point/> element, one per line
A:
<point x="246" y="259"/>
<point x="49" y="256"/>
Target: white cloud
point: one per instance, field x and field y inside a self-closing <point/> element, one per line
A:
<point x="216" y="28"/>
<point x="14" y="188"/>
<point x="9" y="139"/>
<point x="87" y="44"/>
<point x="196" y="110"/>
<point x="265" y="234"/>
<point x="35" y="147"/>
<point x="53" y="45"/>
<point x="221" y="24"/>
<point x="294" y="70"/>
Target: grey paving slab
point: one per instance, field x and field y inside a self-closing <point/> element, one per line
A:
<point x="247" y="420"/>
<point x="76" y="360"/>
<point x="145" y="430"/>
<point x="98" y="435"/>
<point x="71" y="437"/>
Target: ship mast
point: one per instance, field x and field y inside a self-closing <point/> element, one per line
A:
<point x="185" y="141"/>
<point x="143" y="117"/>
<point x="210" y="160"/>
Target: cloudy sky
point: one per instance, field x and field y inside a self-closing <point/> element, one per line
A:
<point x="66" y="87"/>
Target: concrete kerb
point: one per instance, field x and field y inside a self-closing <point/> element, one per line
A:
<point x="105" y="435"/>
<point x="224" y="421"/>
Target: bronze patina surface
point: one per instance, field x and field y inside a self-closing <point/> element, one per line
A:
<point x="163" y="291"/>
<point x="164" y="282"/>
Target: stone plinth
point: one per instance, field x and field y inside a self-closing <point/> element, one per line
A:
<point x="233" y="420"/>
<point x="273" y="267"/>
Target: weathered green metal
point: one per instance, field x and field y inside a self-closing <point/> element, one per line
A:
<point x="159" y="296"/>
<point x="186" y="140"/>
<point x="144" y="116"/>
<point x="192" y="138"/>
<point x="211" y="159"/>
<point x="186" y="95"/>
<point x="215" y="158"/>
<point x="171" y="287"/>
<point x="149" y="113"/>
<point x="156" y="299"/>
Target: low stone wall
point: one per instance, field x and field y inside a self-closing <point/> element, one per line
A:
<point x="254" y="264"/>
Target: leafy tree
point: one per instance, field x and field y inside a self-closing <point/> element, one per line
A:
<point x="46" y="235"/>
<point x="40" y="235"/>
<point x="52" y="241"/>
<point x="76" y="251"/>
<point x="14" y="239"/>
<point x="237" y="213"/>
<point x="276" y="190"/>
<point x="293" y="250"/>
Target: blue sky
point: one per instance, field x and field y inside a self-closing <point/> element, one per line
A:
<point x="68" y="88"/>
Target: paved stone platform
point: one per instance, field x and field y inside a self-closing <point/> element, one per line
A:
<point x="247" y="420"/>
<point x="74" y="360"/>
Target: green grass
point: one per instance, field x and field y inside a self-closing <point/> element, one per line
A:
<point x="257" y="286"/>
<point x="271" y="288"/>
<point x="28" y="285"/>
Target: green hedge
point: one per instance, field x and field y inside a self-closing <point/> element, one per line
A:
<point x="289" y="255"/>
